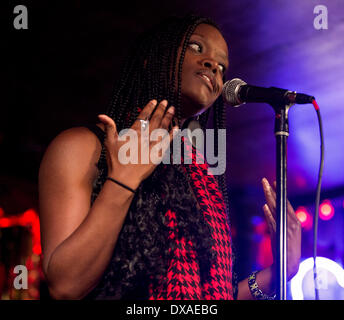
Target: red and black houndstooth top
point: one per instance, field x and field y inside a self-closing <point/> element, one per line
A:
<point x="183" y="276"/>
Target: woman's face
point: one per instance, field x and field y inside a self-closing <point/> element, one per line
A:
<point x="206" y="59"/>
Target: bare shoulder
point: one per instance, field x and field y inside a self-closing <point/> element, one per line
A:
<point x="66" y="175"/>
<point x="75" y="138"/>
<point x="74" y="151"/>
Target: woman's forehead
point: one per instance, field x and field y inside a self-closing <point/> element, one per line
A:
<point x="212" y="35"/>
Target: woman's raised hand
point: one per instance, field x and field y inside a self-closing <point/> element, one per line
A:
<point x="142" y="146"/>
<point x="293" y="229"/>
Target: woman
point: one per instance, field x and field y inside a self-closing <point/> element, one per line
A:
<point x="147" y="231"/>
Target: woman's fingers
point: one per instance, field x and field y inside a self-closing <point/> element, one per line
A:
<point x="270" y="196"/>
<point x="270" y="219"/>
<point x="145" y="114"/>
<point x="148" y="109"/>
<point x="158" y="115"/>
<point x="159" y="120"/>
<point x="290" y="209"/>
<point x="110" y="128"/>
<point x="167" y="117"/>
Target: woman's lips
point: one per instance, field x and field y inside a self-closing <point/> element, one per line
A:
<point x="206" y="80"/>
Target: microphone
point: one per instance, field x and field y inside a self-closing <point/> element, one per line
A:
<point x="236" y="92"/>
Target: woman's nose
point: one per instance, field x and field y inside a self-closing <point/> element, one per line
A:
<point x="210" y="65"/>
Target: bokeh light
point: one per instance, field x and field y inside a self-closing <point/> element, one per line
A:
<point x="304" y="217"/>
<point x="326" y="210"/>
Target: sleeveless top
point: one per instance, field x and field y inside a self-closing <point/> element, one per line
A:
<point x="183" y="275"/>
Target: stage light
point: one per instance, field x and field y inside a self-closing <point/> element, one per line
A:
<point x="259" y="225"/>
<point x="326" y="210"/>
<point x="304" y="217"/>
<point x="256" y="220"/>
<point x="330" y="280"/>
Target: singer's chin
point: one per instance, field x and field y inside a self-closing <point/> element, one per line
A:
<point x="194" y="105"/>
<point x="195" y="101"/>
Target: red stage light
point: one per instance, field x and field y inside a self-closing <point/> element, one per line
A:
<point x="326" y="210"/>
<point x="304" y="217"/>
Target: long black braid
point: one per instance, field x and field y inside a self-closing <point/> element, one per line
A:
<point x="143" y="248"/>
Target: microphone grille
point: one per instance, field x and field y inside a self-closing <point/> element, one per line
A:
<point x="230" y="91"/>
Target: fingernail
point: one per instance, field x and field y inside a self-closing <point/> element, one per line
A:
<point x="265" y="182"/>
<point x="164" y="103"/>
<point x="266" y="185"/>
<point x="171" y="110"/>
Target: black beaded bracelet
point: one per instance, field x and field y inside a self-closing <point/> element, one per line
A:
<point x="121" y="184"/>
<point x="255" y="291"/>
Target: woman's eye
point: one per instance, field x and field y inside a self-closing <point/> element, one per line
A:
<point x="223" y="68"/>
<point x="195" y="46"/>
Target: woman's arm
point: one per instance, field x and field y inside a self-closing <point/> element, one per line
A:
<point x="266" y="279"/>
<point x="77" y="240"/>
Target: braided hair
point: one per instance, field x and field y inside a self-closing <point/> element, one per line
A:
<point x="143" y="248"/>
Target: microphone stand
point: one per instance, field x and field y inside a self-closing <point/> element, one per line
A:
<point x="281" y="132"/>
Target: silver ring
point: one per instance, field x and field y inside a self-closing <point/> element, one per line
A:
<point x="144" y="123"/>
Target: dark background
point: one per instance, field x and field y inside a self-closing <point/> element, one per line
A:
<point x="59" y="73"/>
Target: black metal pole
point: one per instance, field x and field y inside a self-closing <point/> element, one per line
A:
<point x="281" y="133"/>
